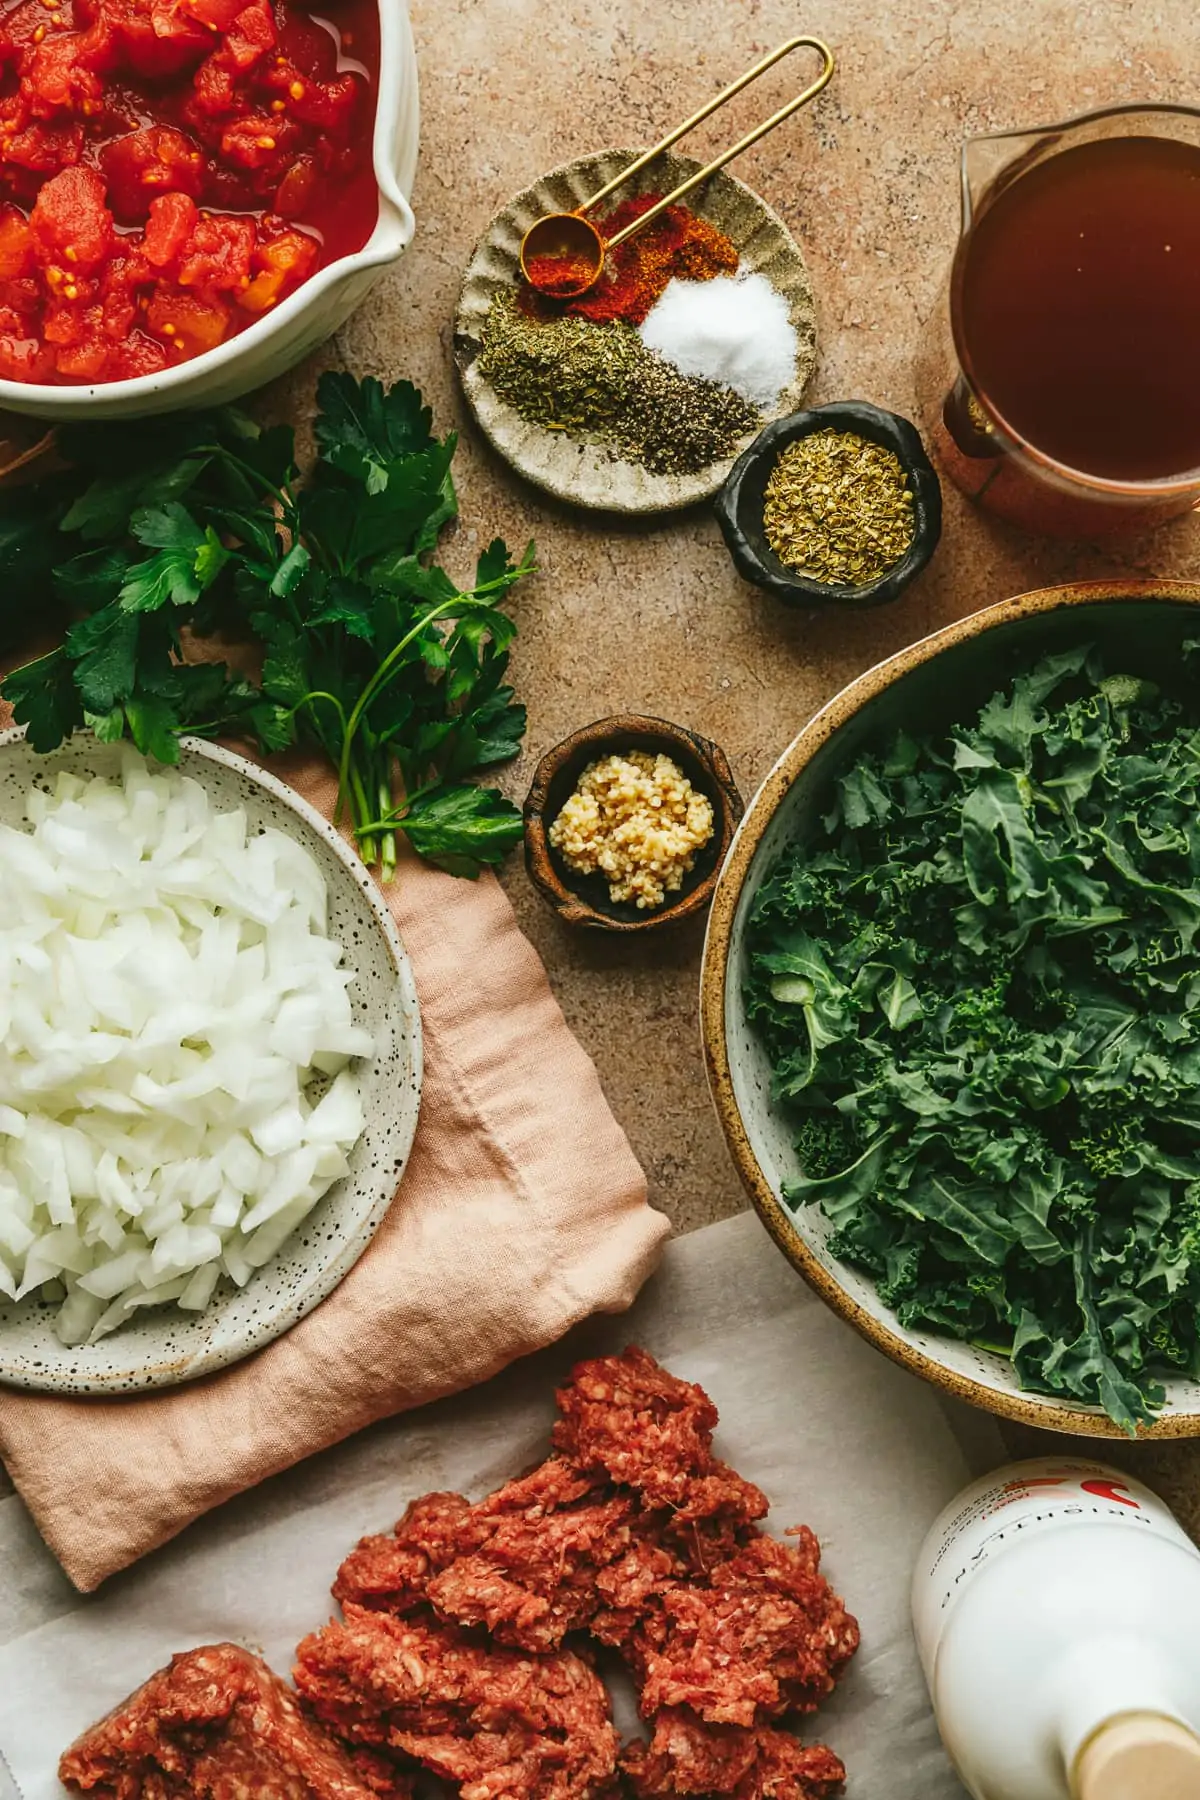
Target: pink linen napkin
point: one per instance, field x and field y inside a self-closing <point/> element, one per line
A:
<point x="521" y="1211"/>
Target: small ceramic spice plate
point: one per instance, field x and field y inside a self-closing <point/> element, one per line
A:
<point x="587" y="474"/>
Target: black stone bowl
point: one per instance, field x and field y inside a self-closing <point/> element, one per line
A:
<point x="739" y="506"/>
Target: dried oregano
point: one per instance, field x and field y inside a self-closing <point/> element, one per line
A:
<point x="838" y="508"/>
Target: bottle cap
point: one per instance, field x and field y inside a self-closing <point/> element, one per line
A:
<point x="1142" y="1757"/>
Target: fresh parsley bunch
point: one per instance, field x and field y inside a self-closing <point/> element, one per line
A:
<point x="979" y="984"/>
<point x="161" y="538"/>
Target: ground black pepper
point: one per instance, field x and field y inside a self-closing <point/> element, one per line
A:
<point x="602" y="384"/>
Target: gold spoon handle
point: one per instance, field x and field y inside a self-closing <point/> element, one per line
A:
<point x="705" y="112"/>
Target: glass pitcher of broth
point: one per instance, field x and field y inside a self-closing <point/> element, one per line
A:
<point x="1060" y="382"/>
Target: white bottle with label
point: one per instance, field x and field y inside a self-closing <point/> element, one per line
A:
<point x="1056" y="1606"/>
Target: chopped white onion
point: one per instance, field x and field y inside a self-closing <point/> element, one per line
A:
<point x="175" y="1034"/>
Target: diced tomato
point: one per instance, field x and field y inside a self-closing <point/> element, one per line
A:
<point x="218" y="15"/>
<point x="176" y="23"/>
<point x="24" y="359"/>
<point x="71" y="220"/>
<point x="45" y="149"/>
<point x="16" y="245"/>
<point x="14" y="113"/>
<point x="259" y="141"/>
<point x="218" y="253"/>
<point x="137" y="355"/>
<point x="169" y="171"/>
<point x="309" y="48"/>
<point x="20" y="300"/>
<point x="193" y="323"/>
<point x="20" y="25"/>
<point x="295" y="190"/>
<point x="249" y="38"/>
<point x="61" y="74"/>
<point x="120" y="312"/>
<point x="120" y="295"/>
<point x="156" y="160"/>
<point x="171" y="223"/>
<point x="84" y="360"/>
<point x="213" y="92"/>
<point x="157" y="38"/>
<point x="73" y="311"/>
<point x="327" y="105"/>
<point x="67" y="327"/>
<point x="282" y="264"/>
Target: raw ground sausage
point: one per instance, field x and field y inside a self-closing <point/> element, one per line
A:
<point x="218" y="1725"/>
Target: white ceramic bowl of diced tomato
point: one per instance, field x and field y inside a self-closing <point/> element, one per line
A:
<point x="193" y="193"/>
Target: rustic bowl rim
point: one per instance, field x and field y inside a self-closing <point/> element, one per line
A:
<point x="609" y="734"/>
<point x="864" y="417"/>
<point x="1041" y="1411"/>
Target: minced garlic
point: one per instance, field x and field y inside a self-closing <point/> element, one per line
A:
<point x="636" y="820"/>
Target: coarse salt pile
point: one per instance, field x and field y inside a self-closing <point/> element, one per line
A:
<point x="637" y="821"/>
<point x="735" y="330"/>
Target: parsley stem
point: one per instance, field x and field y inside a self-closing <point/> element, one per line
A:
<point x="360" y="804"/>
<point x="468" y="602"/>
<point x="365" y="828"/>
<point x="387" y="848"/>
<point x="393" y="815"/>
<point x="283" y="495"/>
<point x="318" y="694"/>
<point x="381" y="675"/>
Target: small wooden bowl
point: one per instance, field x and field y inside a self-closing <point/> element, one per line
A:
<point x="583" y="899"/>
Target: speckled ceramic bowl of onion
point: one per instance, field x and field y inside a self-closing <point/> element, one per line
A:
<point x="589" y="474"/>
<point x="935" y="682"/>
<point x="166" y="1346"/>
<point x="306" y="317"/>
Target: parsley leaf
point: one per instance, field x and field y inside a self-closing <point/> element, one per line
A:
<point x="29" y="549"/>
<point x="497" y="725"/>
<point x="151" y="722"/>
<point x="350" y="604"/>
<point x="44" y="698"/>
<point x="90" y="580"/>
<point x="362" y="429"/>
<point x="190" y="558"/>
<point x="104" y="651"/>
<point x="463" y="829"/>
<point x="198" y="527"/>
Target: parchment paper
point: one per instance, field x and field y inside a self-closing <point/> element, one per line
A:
<point x="838" y="1438"/>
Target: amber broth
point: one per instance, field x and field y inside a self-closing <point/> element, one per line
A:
<point x="1077" y="306"/>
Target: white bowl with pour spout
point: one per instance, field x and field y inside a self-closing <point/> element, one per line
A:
<point x="306" y="317"/>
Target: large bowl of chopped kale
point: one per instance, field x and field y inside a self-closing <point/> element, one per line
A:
<point x="951" y="1007"/>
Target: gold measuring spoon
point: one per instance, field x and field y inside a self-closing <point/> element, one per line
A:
<point x="573" y="241"/>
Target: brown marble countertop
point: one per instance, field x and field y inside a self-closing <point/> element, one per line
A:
<point x="652" y="618"/>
